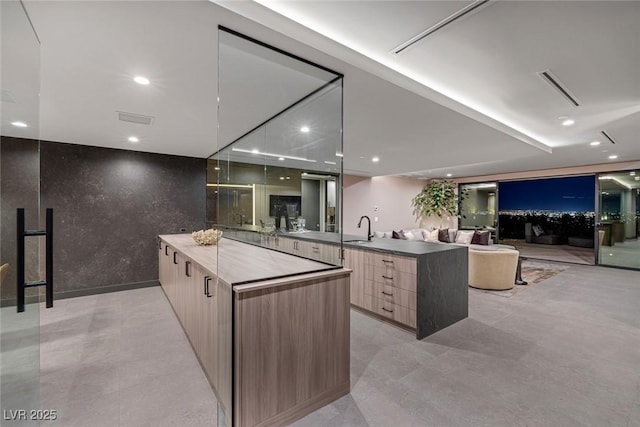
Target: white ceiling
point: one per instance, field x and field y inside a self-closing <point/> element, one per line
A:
<point x="466" y="100"/>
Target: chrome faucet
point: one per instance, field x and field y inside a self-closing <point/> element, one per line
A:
<point x="369" y="235"/>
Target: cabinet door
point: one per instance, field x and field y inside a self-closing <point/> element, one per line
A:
<point x="354" y="260"/>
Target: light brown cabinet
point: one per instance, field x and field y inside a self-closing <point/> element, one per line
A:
<point x="384" y="284"/>
<point x="280" y="345"/>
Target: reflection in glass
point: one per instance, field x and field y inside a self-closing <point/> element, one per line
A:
<point x="619" y="219"/>
<point x="478" y="209"/>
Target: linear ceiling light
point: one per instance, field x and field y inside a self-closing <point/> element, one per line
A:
<point x="302" y="159"/>
<point x="448" y="20"/>
<point x="606" y="135"/>
<point x="555" y="83"/>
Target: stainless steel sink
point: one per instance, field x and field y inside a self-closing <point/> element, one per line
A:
<point x="357" y="242"/>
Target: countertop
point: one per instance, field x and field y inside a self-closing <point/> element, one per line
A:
<point x="237" y="263"/>
<point x="412" y="248"/>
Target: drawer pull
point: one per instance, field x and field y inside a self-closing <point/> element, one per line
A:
<point x="175" y="261"/>
<point x="387" y="277"/>
<point x="386" y="260"/>
<point x="187" y="268"/>
<point x="387" y="294"/>
<point x="390" y="311"/>
<point x="166" y="250"/>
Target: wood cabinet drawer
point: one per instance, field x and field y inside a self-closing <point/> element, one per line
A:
<point x="390" y="277"/>
<point x="392" y="311"/>
<point x="392" y="262"/>
<point x="392" y="294"/>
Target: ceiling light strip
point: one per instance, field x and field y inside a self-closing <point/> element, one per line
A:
<point x="554" y="83"/>
<point x="606" y="135"/>
<point x="302" y="159"/>
<point x="457" y="15"/>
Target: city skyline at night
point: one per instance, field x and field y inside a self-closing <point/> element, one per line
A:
<point x="567" y="194"/>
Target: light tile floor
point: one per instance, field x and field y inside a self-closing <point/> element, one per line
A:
<point x="565" y="352"/>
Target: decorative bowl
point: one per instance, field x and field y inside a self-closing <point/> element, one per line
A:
<point x="207" y="237"/>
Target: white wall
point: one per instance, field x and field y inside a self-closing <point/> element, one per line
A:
<point x="391" y="195"/>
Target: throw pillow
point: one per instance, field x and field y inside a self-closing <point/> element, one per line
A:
<point x="381" y="234"/>
<point x="453" y="232"/>
<point x="481" y="238"/>
<point x="409" y="235"/>
<point x="431" y="236"/>
<point x="398" y="235"/>
<point x="537" y="230"/>
<point x="464" y="237"/>
<point x="443" y="235"/>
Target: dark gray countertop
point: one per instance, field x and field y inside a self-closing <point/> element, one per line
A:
<point x="395" y="246"/>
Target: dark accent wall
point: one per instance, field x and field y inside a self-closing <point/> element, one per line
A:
<point x="19" y="188"/>
<point x="110" y="205"/>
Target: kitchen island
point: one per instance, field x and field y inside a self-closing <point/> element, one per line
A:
<point x="270" y="330"/>
<point x="418" y="285"/>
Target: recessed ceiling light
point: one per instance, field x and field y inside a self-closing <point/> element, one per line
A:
<point x="449" y="175"/>
<point x="375" y="159"/>
<point x="304" y="129"/>
<point x="594" y="143"/>
<point x="568" y="122"/>
<point x="255" y="151"/>
<point x="281" y="158"/>
<point x="19" y="124"/>
<point x="133" y="139"/>
<point x="613" y="156"/>
<point x="141" y="80"/>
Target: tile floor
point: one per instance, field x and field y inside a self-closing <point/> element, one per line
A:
<point x="565" y="352"/>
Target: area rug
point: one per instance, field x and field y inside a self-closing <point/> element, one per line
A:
<point x="533" y="272"/>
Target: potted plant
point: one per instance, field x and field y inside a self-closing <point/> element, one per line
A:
<point x="438" y="198"/>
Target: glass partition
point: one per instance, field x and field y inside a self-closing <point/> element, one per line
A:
<point x="277" y="169"/>
<point x="280" y="123"/>
<point x="19" y="188"/>
<point x="619" y="219"/>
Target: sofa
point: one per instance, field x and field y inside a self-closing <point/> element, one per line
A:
<point x="491" y="266"/>
<point x="536" y="234"/>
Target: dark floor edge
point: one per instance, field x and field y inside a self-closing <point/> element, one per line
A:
<point x="84" y="292"/>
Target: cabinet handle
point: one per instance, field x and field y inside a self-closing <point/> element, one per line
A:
<point x="206" y="287"/>
<point x="175" y="261"/>
<point x="187" y="268"/>
<point x="387" y="294"/>
<point x="166" y="250"/>
<point x="204" y="282"/>
<point x="160" y="244"/>
<point x="386" y="260"/>
<point x="387" y="277"/>
<point x="390" y="311"/>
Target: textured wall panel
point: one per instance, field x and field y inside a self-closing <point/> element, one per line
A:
<point x="109" y="206"/>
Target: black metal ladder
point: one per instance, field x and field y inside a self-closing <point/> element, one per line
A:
<point x="48" y="282"/>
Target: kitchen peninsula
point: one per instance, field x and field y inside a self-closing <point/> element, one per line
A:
<point x="270" y="330"/>
<point x="419" y="285"/>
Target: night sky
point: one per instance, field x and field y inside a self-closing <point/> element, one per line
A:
<point x="570" y="194"/>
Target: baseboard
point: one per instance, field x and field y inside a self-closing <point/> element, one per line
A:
<point x="84" y="292"/>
